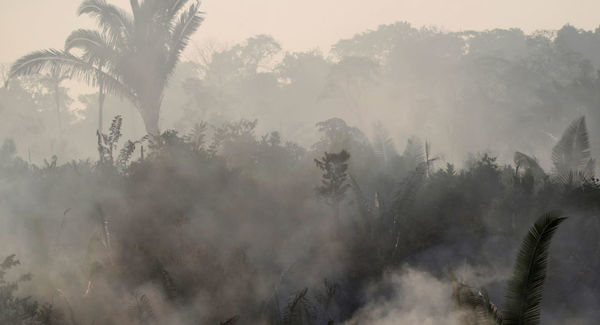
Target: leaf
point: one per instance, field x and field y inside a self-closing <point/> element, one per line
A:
<point x="571" y="155"/>
<point x="526" y="162"/>
<point x="525" y="288"/>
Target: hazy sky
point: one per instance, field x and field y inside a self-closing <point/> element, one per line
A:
<point x="27" y="25"/>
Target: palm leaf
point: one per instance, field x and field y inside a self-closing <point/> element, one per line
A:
<point x="63" y="63"/>
<point x="572" y="153"/>
<point x="95" y="46"/>
<point x="188" y="23"/>
<point x="525" y="288"/>
<point x="526" y="162"/>
<point x="113" y="20"/>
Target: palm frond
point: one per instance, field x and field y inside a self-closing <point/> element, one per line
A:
<point x="113" y="20"/>
<point x="188" y="23"/>
<point x="56" y="61"/>
<point x="525" y="288"/>
<point x="526" y="162"/>
<point x="572" y="152"/>
<point x="95" y="46"/>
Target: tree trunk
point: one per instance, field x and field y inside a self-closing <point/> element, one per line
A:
<point x="57" y="100"/>
<point x="100" y="107"/>
<point x="150" y="114"/>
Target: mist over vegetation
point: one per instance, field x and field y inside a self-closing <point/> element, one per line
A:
<point x="406" y="176"/>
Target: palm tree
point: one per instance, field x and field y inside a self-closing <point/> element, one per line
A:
<point x="131" y="55"/>
<point x="53" y="81"/>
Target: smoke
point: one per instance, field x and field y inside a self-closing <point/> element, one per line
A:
<point x="409" y="297"/>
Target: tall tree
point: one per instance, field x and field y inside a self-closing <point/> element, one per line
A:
<point x="131" y="55"/>
<point x="335" y="180"/>
<point x="52" y="81"/>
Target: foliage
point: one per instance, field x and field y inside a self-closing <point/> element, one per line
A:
<point x="525" y="288"/>
<point x="21" y="311"/>
<point x="132" y="55"/>
<point x="572" y="156"/>
<point x="335" y="176"/>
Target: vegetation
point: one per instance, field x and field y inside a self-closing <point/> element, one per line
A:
<point x="220" y="242"/>
<point x="132" y="55"/>
<point x="221" y="220"/>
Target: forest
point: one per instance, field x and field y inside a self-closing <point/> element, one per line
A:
<point x="407" y="176"/>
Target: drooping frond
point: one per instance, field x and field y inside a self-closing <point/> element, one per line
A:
<point x="96" y="48"/>
<point x="188" y="23"/>
<point x="525" y="162"/>
<point x="571" y="155"/>
<point x="111" y="19"/>
<point x="63" y="63"/>
<point x="525" y="288"/>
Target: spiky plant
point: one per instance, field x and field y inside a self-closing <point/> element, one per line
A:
<point x="132" y="55"/>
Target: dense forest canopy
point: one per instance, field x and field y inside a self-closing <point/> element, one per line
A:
<point x="406" y="176"/>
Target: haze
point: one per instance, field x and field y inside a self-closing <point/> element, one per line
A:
<point x="301" y="25"/>
<point x="278" y="162"/>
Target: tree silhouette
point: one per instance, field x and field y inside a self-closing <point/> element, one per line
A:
<point x="334" y="181"/>
<point x="132" y="54"/>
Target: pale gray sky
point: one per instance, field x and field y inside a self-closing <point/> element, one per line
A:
<point x="28" y="25"/>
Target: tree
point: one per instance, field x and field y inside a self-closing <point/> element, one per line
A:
<point x="52" y="82"/>
<point x="132" y="55"/>
<point x="335" y="177"/>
